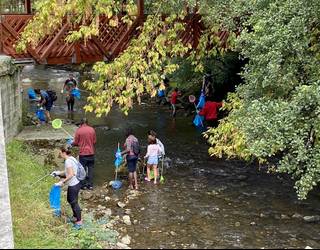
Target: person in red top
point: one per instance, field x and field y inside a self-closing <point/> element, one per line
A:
<point x="85" y="138"/>
<point x="173" y="101"/>
<point x="210" y="112"/>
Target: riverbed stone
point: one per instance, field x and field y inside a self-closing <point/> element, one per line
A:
<point x="108" y="212"/>
<point x="284" y="217"/>
<point x="173" y="233"/>
<point x="297" y="216"/>
<point x="121" y="204"/>
<point x="122" y="246"/>
<point x="127" y="220"/>
<point x="126" y="240"/>
<point x="311" y="219"/>
<point x="237" y="224"/>
<point x="87" y="195"/>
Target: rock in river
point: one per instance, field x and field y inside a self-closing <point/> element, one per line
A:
<point x="127" y="220"/>
<point x="126" y="240"/>
<point x="121" y="204"/>
<point x="310" y="219"/>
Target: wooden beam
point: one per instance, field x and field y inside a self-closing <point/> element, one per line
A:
<point x="100" y="46"/>
<point x="126" y="35"/>
<point x="27" y="6"/>
<point x="77" y="53"/>
<point x="54" y="41"/>
<point x="16" y="36"/>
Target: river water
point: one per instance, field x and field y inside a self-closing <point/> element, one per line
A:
<point x="205" y="202"/>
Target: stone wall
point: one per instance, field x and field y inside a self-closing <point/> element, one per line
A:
<point x="11" y="96"/>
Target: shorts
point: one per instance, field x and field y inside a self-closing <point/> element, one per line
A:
<point x="48" y="105"/>
<point x="153" y="160"/>
<point x="132" y="163"/>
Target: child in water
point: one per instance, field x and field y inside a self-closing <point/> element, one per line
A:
<point x="153" y="153"/>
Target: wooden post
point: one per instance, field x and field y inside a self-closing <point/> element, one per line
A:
<point x="140" y="5"/>
<point x="27" y="6"/>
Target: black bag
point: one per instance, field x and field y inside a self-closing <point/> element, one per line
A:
<point x="52" y="95"/>
<point x="136" y="147"/>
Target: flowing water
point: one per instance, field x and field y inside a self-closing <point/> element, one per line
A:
<point x="204" y="203"/>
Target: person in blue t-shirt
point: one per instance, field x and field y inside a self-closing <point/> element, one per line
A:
<point x="46" y="102"/>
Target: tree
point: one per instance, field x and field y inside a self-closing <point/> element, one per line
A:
<point x="273" y="114"/>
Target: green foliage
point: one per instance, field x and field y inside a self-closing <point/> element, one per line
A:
<point x="94" y="235"/>
<point x="139" y="69"/>
<point x="274" y="113"/>
<point x="279" y="115"/>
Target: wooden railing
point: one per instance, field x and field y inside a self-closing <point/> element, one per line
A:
<point x="110" y="42"/>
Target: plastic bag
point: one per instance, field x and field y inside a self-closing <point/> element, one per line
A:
<point x="54" y="198"/>
<point x="76" y="93"/>
<point x="202" y="101"/>
<point x="198" y="121"/>
<point x="41" y="115"/>
<point x="32" y="95"/>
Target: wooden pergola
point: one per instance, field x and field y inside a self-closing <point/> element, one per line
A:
<point x="109" y="44"/>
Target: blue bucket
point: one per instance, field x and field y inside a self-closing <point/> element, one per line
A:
<point x="116" y="184"/>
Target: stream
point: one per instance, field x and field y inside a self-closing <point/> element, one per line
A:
<point x="205" y="202"/>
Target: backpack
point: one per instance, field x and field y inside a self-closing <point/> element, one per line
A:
<point x="52" y="95"/>
<point x="136" y="147"/>
<point x="81" y="172"/>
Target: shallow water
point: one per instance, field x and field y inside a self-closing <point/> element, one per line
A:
<point x="204" y="203"/>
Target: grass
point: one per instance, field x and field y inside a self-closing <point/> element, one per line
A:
<point x="33" y="223"/>
<point x="34" y="226"/>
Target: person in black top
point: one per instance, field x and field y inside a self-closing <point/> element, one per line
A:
<point x="69" y="85"/>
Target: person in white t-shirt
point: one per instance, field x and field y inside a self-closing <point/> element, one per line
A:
<point x="153" y="134"/>
<point x="69" y="177"/>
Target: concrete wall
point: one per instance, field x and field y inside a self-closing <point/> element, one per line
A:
<point x="6" y="235"/>
<point x="10" y="88"/>
<point x="10" y="124"/>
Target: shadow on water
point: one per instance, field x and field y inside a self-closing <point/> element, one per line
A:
<point x="205" y="203"/>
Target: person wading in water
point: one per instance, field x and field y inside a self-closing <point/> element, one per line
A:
<point x="132" y="150"/>
<point x="69" y="85"/>
<point x="85" y="138"/>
